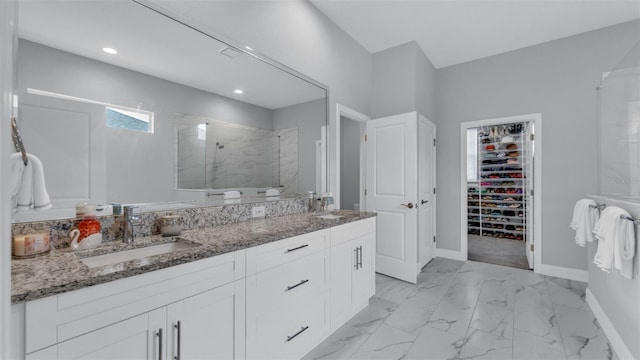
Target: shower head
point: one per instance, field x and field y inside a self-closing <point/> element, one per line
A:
<point x="219" y="146"/>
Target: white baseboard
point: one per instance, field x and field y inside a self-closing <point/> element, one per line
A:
<point x="609" y="330"/>
<point x="563" y="272"/>
<point x="451" y="254"/>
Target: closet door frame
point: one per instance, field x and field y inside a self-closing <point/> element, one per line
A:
<point x="537" y="182"/>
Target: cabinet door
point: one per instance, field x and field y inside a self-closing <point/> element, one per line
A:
<point x="343" y="261"/>
<point x="135" y="338"/>
<point x="363" y="280"/>
<point x="202" y="326"/>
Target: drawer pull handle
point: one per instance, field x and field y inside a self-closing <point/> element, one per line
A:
<point x="179" y="328"/>
<point x="296" y="248"/>
<point x="303" y="329"/>
<point x="296" y="285"/>
<point x="159" y="335"/>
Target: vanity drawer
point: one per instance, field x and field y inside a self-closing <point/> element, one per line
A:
<point x="287" y="334"/>
<point x="288" y="284"/>
<point x="267" y="256"/>
<point x="350" y="231"/>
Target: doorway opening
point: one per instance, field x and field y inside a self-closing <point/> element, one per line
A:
<point x="350" y="159"/>
<point x="499" y="179"/>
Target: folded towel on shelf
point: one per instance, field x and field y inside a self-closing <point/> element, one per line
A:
<point x="616" y="241"/>
<point x="272" y="194"/>
<point x="233" y="194"/>
<point x="27" y="184"/>
<point x="583" y="221"/>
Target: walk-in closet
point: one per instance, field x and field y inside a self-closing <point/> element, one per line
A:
<point x="499" y="167"/>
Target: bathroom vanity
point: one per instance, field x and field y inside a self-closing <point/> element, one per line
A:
<point x="270" y="288"/>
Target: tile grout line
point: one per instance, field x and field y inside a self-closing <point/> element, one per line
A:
<point x="555" y="315"/>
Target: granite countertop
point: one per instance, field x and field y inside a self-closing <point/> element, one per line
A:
<point x="62" y="270"/>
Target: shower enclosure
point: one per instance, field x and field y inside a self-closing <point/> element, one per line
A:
<point x="619" y="129"/>
<point x="219" y="155"/>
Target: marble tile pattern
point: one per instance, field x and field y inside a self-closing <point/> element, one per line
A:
<point x="62" y="270"/>
<point x="471" y="310"/>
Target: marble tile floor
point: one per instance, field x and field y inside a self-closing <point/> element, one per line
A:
<point x="471" y="310"/>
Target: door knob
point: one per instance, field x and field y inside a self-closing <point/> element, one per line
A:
<point x="424" y="202"/>
<point x="408" y="205"/>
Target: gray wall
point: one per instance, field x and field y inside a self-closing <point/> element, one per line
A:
<point x="298" y="35"/>
<point x="151" y="155"/>
<point x="403" y="81"/>
<point x="313" y="113"/>
<point x="349" y="162"/>
<point x="557" y="79"/>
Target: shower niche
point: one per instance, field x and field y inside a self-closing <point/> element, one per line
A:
<point x="213" y="154"/>
<point x="619" y="129"/>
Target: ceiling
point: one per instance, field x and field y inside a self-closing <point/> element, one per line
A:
<point x="158" y="46"/>
<point x="456" y="31"/>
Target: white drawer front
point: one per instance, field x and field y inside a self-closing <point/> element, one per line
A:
<point x="287" y="334"/>
<point x="350" y="231"/>
<point x="264" y="257"/>
<point x="288" y="283"/>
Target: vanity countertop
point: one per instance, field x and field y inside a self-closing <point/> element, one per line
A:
<point x="62" y="270"/>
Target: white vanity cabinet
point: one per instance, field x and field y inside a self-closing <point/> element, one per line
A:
<point x="352" y="269"/>
<point x="286" y="296"/>
<point x="138" y="317"/>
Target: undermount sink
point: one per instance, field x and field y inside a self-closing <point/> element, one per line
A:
<point x="329" y="217"/>
<point x="139" y="253"/>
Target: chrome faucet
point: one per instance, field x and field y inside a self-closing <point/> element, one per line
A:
<point x="129" y="222"/>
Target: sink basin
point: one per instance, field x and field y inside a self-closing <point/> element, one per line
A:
<point x="139" y="253"/>
<point x="329" y="217"/>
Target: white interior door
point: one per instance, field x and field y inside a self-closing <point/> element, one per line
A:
<point x="529" y="191"/>
<point x="426" y="189"/>
<point x="392" y="191"/>
<point x="69" y="134"/>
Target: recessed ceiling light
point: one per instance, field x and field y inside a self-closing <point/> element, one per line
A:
<point x="238" y="91"/>
<point x="109" y="50"/>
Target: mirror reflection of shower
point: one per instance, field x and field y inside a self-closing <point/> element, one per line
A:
<point x="236" y="156"/>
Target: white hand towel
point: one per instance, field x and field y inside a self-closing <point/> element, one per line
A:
<point x="624" y="246"/>
<point x="612" y="233"/>
<point x="583" y="221"/>
<point x="15" y="178"/>
<point x="272" y="192"/>
<point x="29" y="190"/>
<point x="41" y="200"/>
<point x="233" y="194"/>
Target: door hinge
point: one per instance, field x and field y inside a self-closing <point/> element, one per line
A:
<point x="365" y="192"/>
<point x="434" y="238"/>
<point x="365" y="137"/>
<point x="531" y="137"/>
<point x="531" y="247"/>
<point x="531" y="192"/>
<point x="434" y="141"/>
<point x="434" y="190"/>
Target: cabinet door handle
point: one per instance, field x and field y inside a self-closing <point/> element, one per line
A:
<point x="360" y="256"/>
<point x="355" y="251"/>
<point x="159" y="335"/>
<point x="296" y="248"/>
<point x="303" y="329"/>
<point x="296" y="285"/>
<point x="177" y="327"/>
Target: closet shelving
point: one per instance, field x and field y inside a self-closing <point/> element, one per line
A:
<point x="497" y="202"/>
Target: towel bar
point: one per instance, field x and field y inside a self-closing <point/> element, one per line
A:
<point x="598" y="206"/>
<point x="635" y="221"/>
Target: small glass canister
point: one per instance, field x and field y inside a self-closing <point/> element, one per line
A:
<point x="31" y="245"/>
<point x="170" y="225"/>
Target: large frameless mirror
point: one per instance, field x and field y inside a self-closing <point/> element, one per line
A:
<point x="124" y="104"/>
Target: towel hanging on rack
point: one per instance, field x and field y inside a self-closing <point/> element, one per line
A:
<point x="28" y="188"/>
<point x="584" y="219"/>
<point x="616" y="241"/>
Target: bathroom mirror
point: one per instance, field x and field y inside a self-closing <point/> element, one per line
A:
<point x="124" y="104"/>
